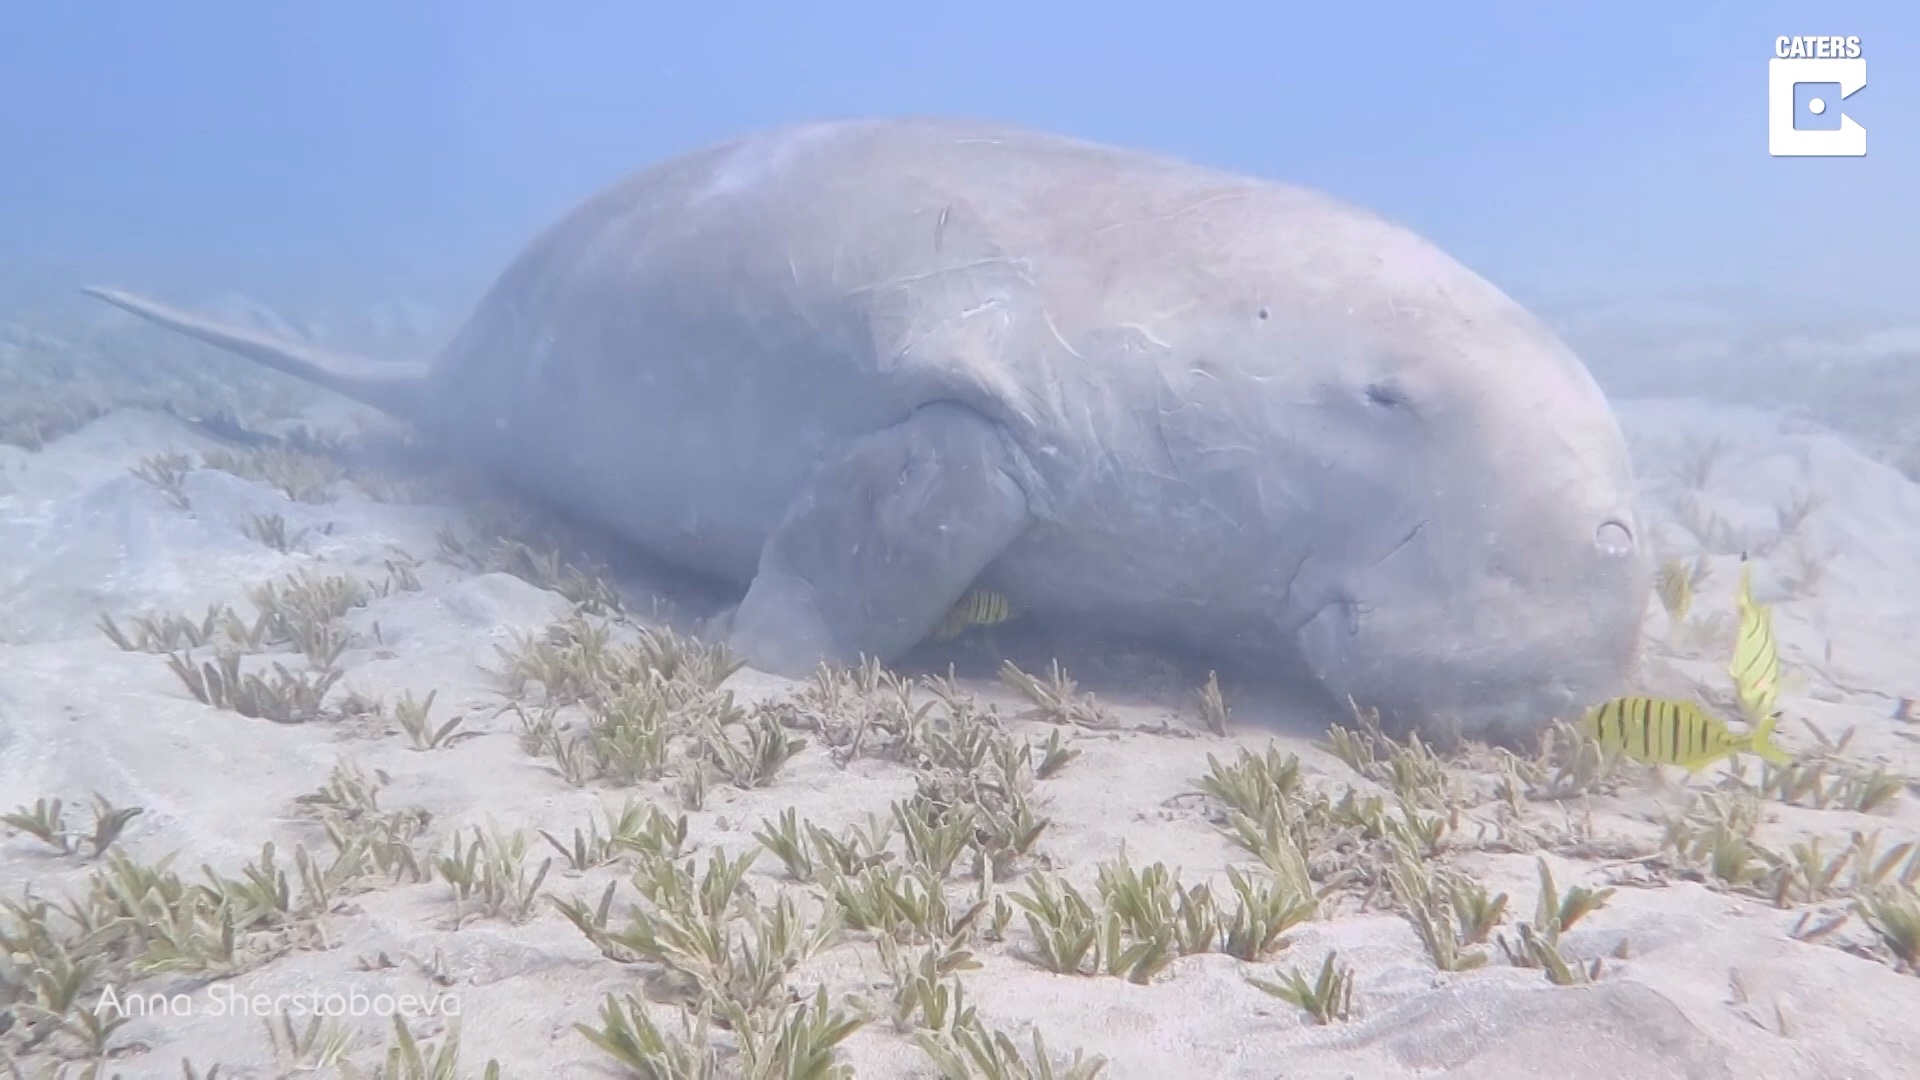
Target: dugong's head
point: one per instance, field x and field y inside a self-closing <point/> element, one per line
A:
<point x="1466" y="556"/>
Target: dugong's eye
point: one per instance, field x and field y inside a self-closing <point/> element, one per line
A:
<point x="1387" y="396"/>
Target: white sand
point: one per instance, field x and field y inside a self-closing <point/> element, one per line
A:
<point x="1711" y="983"/>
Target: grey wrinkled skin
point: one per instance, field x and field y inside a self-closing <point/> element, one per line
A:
<point x="857" y="367"/>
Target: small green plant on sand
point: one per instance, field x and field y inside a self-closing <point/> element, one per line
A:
<point x="719" y="948"/>
<point x="285" y="696"/>
<point x="1326" y="998"/>
<point x="1054" y="697"/>
<point x="271" y="530"/>
<point x="1894" y="916"/>
<point x="167" y="472"/>
<point x="969" y="1050"/>
<point x="638" y="827"/>
<point x="1214" y="713"/>
<point x="798" y="1039"/>
<point x="46" y="821"/>
<point x="412" y="716"/>
<point x="1450" y="912"/>
<point x="164" y="633"/>
<point x="1537" y="944"/>
<point x="323" y="1044"/>
<point x="302" y="477"/>
<point x="489" y="875"/>
<point x="407" y="1058"/>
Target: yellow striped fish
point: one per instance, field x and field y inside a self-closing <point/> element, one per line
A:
<point x="1661" y="731"/>
<point x="978" y="608"/>
<point x="1756" y="659"/>
<point x="1675" y="585"/>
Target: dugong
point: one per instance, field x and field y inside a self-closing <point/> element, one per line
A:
<point x="859" y="367"/>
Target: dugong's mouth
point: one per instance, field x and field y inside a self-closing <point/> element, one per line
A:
<point x="1500" y="692"/>
<point x="1487" y="656"/>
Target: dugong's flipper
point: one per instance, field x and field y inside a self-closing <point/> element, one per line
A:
<point x="881" y="542"/>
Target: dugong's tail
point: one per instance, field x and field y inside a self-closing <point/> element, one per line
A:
<point x="392" y="388"/>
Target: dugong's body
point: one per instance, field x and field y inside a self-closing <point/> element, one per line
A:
<point x="860" y="367"/>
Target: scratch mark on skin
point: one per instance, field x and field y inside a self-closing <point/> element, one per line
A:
<point x="1057" y="336"/>
<point x="1145" y="333"/>
<point x="1182" y="212"/>
<point x="1166" y="446"/>
<point x="1404" y="541"/>
<point x="1300" y="568"/>
<point x="914" y="279"/>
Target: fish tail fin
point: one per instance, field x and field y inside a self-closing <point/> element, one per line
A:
<point x="1761" y="742"/>
<point x="395" y="389"/>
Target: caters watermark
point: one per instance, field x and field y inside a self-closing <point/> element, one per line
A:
<point x="217" y="1001"/>
<point x="1808" y="82"/>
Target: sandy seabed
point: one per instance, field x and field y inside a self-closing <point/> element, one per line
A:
<point x="1737" y="923"/>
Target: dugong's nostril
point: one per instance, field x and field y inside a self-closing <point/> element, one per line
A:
<point x="1613" y="537"/>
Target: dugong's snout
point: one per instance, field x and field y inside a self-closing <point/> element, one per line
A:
<point x="1527" y="637"/>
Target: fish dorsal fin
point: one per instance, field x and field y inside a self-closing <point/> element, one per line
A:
<point x="1755" y="666"/>
<point x="393" y="388"/>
